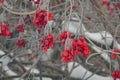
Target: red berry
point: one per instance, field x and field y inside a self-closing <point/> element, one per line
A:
<point x="1" y="1"/>
<point x="89" y="17"/>
<point x="105" y="2"/>
<point x="74" y="42"/>
<point x="47" y="42"/>
<point x="20" y="28"/>
<point x="4" y="29"/>
<point x="74" y="7"/>
<point x="114" y="56"/>
<point x="21" y="43"/>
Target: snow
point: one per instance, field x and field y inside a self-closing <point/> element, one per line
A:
<point x="36" y="71"/>
<point x="77" y="73"/>
<point x="47" y="79"/>
<point x="5" y="60"/>
<point x="33" y="70"/>
<point x="1" y="53"/>
<point x="47" y="55"/>
<point x="9" y="72"/>
<point x="73" y="27"/>
<point x="80" y="71"/>
<point x="102" y="37"/>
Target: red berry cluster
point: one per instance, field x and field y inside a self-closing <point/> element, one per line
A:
<point x="109" y="7"/>
<point x="81" y="45"/>
<point x="42" y="17"/>
<point x="20" y="28"/>
<point x="116" y="74"/>
<point x="47" y="42"/>
<point x="114" y="54"/>
<point x="117" y="5"/>
<point x="1" y="1"/>
<point x="107" y="3"/>
<point x="68" y="55"/>
<point x="4" y="30"/>
<point x="21" y="43"/>
<point x="63" y="36"/>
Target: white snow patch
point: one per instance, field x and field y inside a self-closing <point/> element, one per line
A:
<point x="73" y="27"/>
<point x="102" y="37"/>
<point x="33" y="70"/>
<point x="1" y="53"/>
<point x="5" y="60"/>
<point x="80" y="71"/>
<point x="47" y="79"/>
<point x="47" y="55"/>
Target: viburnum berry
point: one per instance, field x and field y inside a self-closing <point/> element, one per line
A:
<point x="47" y="42"/>
<point x="74" y="42"/>
<point x="36" y="1"/>
<point x="85" y="53"/>
<point x="105" y="2"/>
<point x="41" y="18"/>
<point x="21" y="43"/>
<point x="114" y="54"/>
<point x="39" y="31"/>
<point x="82" y="47"/>
<point x="4" y="29"/>
<point x="1" y="1"/>
<point x="77" y="46"/>
<point x="89" y="17"/>
<point x="63" y="36"/>
<point x="67" y="55"/>
<point x="116" y="75"/>
<point x="20" y="28"/>
<point x="117" y="5"/>
<point x="74" y="7"/>
<point x="109" y="8"/>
